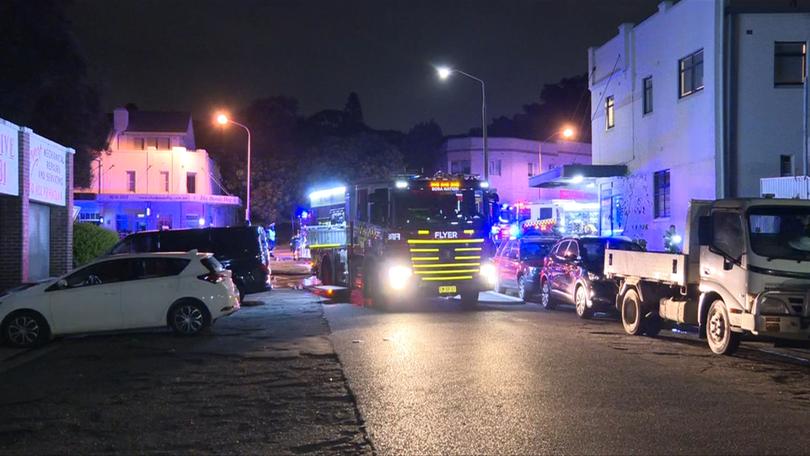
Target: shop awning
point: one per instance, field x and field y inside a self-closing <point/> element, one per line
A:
<point x="567" y="175"/>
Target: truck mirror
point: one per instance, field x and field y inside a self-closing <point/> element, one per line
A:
<point x="705" y="230"/>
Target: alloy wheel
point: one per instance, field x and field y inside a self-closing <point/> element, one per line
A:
<point x="188" y="319"/>
<point x="23" y="330"/>
<point x="545" y="295"/>
<point x="522" y="288"/>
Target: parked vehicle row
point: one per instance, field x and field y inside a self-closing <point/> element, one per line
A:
<point x="184" y="291"/>
<point x="745" y="270"/>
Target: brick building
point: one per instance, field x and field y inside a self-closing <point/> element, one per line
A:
<point x="36" y="206"/>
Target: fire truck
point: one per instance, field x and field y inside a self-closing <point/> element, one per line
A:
<point x="404" y="237"/>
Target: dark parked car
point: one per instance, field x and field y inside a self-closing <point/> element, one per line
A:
<point x="242" y="249"/>
<point x="574" y="273"/>
<point x="519" y="262"/>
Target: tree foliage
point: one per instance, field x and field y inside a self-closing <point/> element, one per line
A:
<point x="420" y="147"/>
<point x="44" y="83"/>
<point x="91" y="241"/>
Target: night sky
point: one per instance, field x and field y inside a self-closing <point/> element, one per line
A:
<point x="200" y="54"/>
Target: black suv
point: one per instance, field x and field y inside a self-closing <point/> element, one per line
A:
<point x="574" y="272"/>
<point x="241" y="249"/>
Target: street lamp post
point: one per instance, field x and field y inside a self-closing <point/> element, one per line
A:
<point x="223" y="119"/>
<point x="444" y="73"/>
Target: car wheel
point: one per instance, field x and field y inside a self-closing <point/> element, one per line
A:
<point x="581" y="303"/>
<point x="522" y="288"/>
<point x="25" y="329"/>
<point x="188" y="318"/>
<point x="545" y="295"/>
<point x="631" y="313"/>
<point x="722" y="340"/>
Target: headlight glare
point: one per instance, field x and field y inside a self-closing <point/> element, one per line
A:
<point x="398" y="276"/>
<point x="489" y="273"/>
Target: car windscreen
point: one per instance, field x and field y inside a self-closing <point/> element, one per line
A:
<point x="425" y="206"/>
<point x="779" y="232"/>
<point x="535" y="250"/>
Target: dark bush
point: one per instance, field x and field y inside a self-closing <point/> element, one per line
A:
<point x="91" y="241"/>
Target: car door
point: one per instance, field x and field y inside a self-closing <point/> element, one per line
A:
<point x="557" y="266"/>
<point x="90" y="299"/>
<point x="152" y="288"/>
<point x="500" y="260"/>
<point x="568" y="278"/>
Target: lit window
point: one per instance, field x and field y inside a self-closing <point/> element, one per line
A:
<point x="131" y="181"/>
<point x="610" y="114"/>
<point x="648" y="95"/>
<point x="691" y="73"/>
<point x="191" y="182"/>
<point x="662" y="201"/>
<point x="789" y="66"/>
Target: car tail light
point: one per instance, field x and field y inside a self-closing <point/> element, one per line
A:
<point x="213" y="277"/>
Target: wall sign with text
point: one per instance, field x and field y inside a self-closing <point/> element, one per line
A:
<point x="48" y="177"/>
<point x="9" y="159"/>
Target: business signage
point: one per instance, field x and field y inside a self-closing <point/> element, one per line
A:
<point x="47" y="177"/>
<point x="169" y="197"/>
<point x="9" y="159"/>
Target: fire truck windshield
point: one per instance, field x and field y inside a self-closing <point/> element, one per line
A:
<point x="425" y="206"/>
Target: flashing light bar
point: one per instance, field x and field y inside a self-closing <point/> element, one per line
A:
<point x="327" y="193"/>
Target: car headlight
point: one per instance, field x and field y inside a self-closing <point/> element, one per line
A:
<point x="773" y="306"/>
<point x="398" y="276"/>
<point x="489" y="273"/>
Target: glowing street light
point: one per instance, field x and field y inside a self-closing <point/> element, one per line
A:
<point x="444" y="73"/>
<point x="223" y="119"/>
<point x="568" y="133"/>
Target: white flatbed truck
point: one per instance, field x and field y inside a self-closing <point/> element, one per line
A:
<point x="745" y="269"/>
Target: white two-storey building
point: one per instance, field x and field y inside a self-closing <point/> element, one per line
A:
<point x="699" y="101"/>
<point x="152" y="176"/>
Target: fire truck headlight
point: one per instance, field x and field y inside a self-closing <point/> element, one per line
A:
<point x="489" y="273"/>
<point x="399" y="276"/>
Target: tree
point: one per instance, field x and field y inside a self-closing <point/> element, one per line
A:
<point x="353" y="110"/>
<point x="420" y="147"/>
<point x="45" y="85"/>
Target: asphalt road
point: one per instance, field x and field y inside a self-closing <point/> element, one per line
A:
<point x="515" y="379"/>
<point x="265" y="380"/>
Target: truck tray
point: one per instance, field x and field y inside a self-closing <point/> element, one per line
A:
<point x="652" y="266"/>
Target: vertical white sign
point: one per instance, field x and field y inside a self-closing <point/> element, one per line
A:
<point x="9" y="159"/>
<point x="47" y="173"/>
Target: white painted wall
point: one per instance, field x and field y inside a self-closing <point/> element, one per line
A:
<point x="679" y="134"/>
<point x="515" y="154"/>
<point x="769" y="119"/>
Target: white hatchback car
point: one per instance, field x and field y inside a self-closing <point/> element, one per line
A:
<point x="186" y="291"/>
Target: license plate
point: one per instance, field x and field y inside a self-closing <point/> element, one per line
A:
<point x="447" y="289"/>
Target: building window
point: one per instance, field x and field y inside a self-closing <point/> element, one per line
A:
<point x="494" y="167"/>
<point x="785" y="165"/>
<point x="648" y="95"/>
<point x="691" y="73"/>
<point x="460" y="167"/>
<point x="789" y="66"/>
<point x="138" y="143"/>
<point x="163" y="144"/>
<point x="191" y="182"/>
<point x="164" y="181"/>
<point x="661" y="185"/>
<point x="131" y="181"/>
<point x="531" y="169"/>
<point x="610" y="114"/>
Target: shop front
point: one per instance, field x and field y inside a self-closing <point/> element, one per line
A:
<point x="36" y="206"/>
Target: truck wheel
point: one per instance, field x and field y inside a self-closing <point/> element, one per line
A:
<point x="632" y="316"/>
<point x="469" y="299"/>
<point x="581" y="302"/>
<point x="722" y="340"/>
<point x="545" y="295"/>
